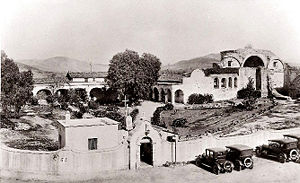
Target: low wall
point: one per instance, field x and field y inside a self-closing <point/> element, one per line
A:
<point x="61" y="163"/>
<point x="187" y="150"/>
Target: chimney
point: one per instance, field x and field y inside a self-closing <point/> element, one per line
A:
<point x="68" y="116"/>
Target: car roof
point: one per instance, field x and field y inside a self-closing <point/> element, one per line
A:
<point x="283" y="141"/>
<point x="239" y="147"/>
<point x="217" y="149"/>
<point x="297" y="136"/>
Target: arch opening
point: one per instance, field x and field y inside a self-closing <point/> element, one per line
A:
<point x="254" y="61"/>
<point x="179" y="96"/>
<point x="156" y="95"/>
<point x="146" y="151"/>
<point x="98" y="94"/>
<point x="43" y="94"/>
<point x="162" y="95"/>
<point x="169" y="95"/>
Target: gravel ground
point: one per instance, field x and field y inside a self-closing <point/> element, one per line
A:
<point x="264" y="171"/>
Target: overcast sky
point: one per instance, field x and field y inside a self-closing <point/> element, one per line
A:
<point x="172" y="30"/>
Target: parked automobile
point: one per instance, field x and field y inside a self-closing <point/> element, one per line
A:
<point x="283" y="149"/>
<point x="294" y="136"/>
<point x="241" y="156"/>
<point x="215" y="159"/>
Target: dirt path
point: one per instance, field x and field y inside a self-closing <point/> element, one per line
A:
<point x="264" y="171"/>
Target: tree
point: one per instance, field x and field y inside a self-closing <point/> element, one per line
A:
<point x="133" y="75"/>
<point x="16" y="86"/>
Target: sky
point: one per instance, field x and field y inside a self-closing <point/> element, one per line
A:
<point x="173" y="30"/>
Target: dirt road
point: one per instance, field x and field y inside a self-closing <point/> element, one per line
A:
<point x="264" y="171"/>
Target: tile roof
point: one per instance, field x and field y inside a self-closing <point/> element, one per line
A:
<point x="87" y="74"/>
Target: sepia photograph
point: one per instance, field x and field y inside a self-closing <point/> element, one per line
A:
<point x="152" y="91"/>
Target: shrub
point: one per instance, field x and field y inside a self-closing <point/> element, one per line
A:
<point x="200" y="99"/>
<point x="156" y="115"/>
<point x="117" y="117"/>
<point x="99" y="113"/>
<point x="34" y="101"/>
<point x="134" y="113"/>
<point x="249" y="91"/>
<point x="77" y="114"/>
<point x="112" y="108"/>
<point x="169" y="106"/>
<point x="180" y="122"/>
<point x="93" y="105"/>
<point x="64" y="105"/>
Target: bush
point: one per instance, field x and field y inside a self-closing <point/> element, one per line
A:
<point x="117" y="117"/>
<point x="99" y="113"/>
<point x="200" y="99"/>
<point x="64" y="105"/>
<point x="93" y="105"/>
<point x="169" y="106"/>
<point x="180" y="122"/>
<point x="112" y="108"/>
<point x="34" y="101"/>
<point x="134" y="113"/>
<point x="156" y="115"/>
<point x="78" y="114"/>
<point x="249" y="91"/>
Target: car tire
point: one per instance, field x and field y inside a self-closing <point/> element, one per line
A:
<point x="282" y="158"/>
<point x="294" y="155"/>
<point x="248" y="162"/>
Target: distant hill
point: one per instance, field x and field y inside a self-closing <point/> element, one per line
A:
<point x="62" y="64"/>
<point x="37" y="73"/>
<point x="192" y="64"/>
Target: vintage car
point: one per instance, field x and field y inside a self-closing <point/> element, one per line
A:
<point x="241" y="156"/>
<point x="215" y="159"/>
<point x="283" y="149"/>
<point x="294" y="136"/>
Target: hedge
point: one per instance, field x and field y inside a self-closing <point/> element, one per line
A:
<point x="200" y="99"/>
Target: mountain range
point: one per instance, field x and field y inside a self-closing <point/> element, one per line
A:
<point x="42" y="68"/>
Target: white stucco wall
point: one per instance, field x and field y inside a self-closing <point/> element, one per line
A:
<point x="199" y="83"/>
<point x="77" y="137"/>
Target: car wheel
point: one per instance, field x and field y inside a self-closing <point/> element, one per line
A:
<point x="294" y="155"/>
<point x="216" y="170"/>
<point x="248" y="162"/>
<point x="282" y="158"/>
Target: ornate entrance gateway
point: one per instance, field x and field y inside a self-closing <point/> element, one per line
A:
<point x="146" y="151"/>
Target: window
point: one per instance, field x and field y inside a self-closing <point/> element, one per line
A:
<point x="235" y="82"/>
<point x="92" y="143"/>
<point x="223" y="83"/>
<point x="216" y="83"/>
<point x="229" y="63"/>
<point x="274" y="64"/>
<point x="230" y="82"/>
<point x="86" y="80"/>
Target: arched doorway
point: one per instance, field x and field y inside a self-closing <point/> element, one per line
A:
<point x="162" y="95"/>
<point x="98" y="94"/>
<point x="179" y="96"/>
<point x="169" y="95"/>
<point x="151" y="94"/>
<point x="256" y="62"/>
<point x="61" y="92"/>
<point x="43" y="94"/>
<point x="146" y="151"/>
<point x="156" y="95"/>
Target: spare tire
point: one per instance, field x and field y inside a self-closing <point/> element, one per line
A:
<point x="294" y="155"/>
<point x="248" y="162"/>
